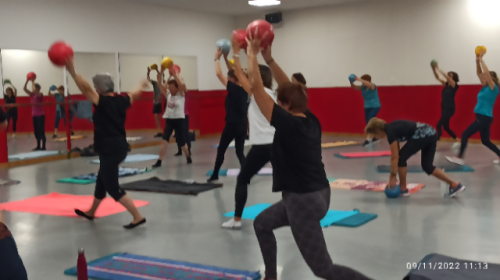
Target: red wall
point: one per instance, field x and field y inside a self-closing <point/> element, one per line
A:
<point x="339" y="109"/>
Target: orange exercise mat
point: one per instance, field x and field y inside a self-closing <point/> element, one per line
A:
<point x="62" y="139"/>
<point x="57" y="204"/>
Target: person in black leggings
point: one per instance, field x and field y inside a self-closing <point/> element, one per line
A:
<point x="450" y="83"/>
<point x="418" y="137"/>
<point x="261" y="137"/>
<point x="486" y="99"/>
<point x="236" y="115"/>
<point x="110" y="140"/>
<point x="10" y="101"/>
<point x="11" y="265"/>
<point x="298" y="173"/>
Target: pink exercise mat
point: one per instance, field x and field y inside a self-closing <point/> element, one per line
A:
<point x="56" y="204"/>
<point x="364" y="154"/>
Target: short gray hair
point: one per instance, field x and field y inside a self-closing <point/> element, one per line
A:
<point x="104" y="82"/>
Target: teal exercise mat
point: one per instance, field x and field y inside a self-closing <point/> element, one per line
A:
<point x="125" y="266"/>
<point x="222" y="173"/>
<point x="332" y="218"/>
<point x="35" y="154"/>
<point x="441" y="267"/>
<point x="92" y="177"/>
<point x="418" y="169"/>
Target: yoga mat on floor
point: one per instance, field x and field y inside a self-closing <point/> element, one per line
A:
<point x="441" y="267"/>
<point x="235" y="172"/>
<point x="364" y="185"/>
<point x="132" y="158"/>
<point x="332" y="218"/>
<point x="35" y="154"/>
<point x="73" y="137"/>
<point x="418" y="169"/>
<point x="232" y="144"/>
<point x="155" y="184"/>
<point x="339" y="144"/>
<point x="92" y="177"/>
<point x="125" y="266"/>
<point x="364" y="154"/>
<point x="56" y="204"/>
<point x="133" y="139"/>
<point x="8" y="183"/>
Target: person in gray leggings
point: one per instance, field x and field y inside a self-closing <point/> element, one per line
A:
<point x="298" y="172"/>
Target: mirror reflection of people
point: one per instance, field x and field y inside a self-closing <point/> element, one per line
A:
<point x="369" y="92"/>
<point x="11" y="264"/>
<point x="110" y="140"/>
<point x="11" y="109"/>
<point x="38" y="113"/>
<point x="157" y="102"/>
<point x="61" y="110"/>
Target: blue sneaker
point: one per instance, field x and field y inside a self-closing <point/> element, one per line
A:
<point x="405" y="193"/>
<point x="454" y="191"/>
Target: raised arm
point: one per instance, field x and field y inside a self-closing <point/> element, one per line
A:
<point x="26" y="88"/>
<point x="14" y="90"/>
<point x="449" y="80"/>
<point x="479" y="70"/>
<point x="161" y="85"/>
<point x="263" y="100"/>
<point x="228" y="64"/>
<point x="180" y="82"/>
<point x="486" y="71"/>
<point x="278" y="73"/>
<point x="435" y="70"/>
<point x="366" y="83"/>
<point x="238" y="71"/>
<point x="50" y="93"/>
<point x="218" y="70"/>
<point x="353" y="86"/>
<point x="149" y="78"/>
<point x="82" y="84"/>
<point x="136" y="92"/>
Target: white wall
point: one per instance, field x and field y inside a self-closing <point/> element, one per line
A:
<point x="393" y="40"/>
<point x="109" y="26"/>
<point x="18" y="63"/>
<point x="90" y="64"/>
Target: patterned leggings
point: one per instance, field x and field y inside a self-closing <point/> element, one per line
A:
<point x="303" y="213"/>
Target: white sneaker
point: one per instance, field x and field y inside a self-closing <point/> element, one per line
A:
<point x="456" y="145"/>
<point x="496" y="161"/>
<point x="456" y="160"/>
<point x="232" y="224"/>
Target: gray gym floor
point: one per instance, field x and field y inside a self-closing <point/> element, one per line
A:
<point x="187" y="228"/>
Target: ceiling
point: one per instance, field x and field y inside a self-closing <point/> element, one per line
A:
<point x="240" y="7"/>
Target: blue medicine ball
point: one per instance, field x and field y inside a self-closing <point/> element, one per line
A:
<point x="225" y="45"/>
<point x="52" y="88"/>
<point x="352" y="78"/>
<point x="393" y="193"/>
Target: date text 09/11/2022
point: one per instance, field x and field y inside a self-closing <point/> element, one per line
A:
<point x="447" y="265"/>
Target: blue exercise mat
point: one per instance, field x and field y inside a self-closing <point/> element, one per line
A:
<point x="418" y="169"/>
<point x="132" y="158"/>
<point x="222" y="172"/>
<point x="124" y="266"/>
<point x="352" y="218"/>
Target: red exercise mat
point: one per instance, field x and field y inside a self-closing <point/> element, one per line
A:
<point x="366" y="154"/>
<point x="56" y="204"/>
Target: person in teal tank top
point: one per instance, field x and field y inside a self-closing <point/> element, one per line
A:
<point x="369" y="92"/>
<point x="484" y="111"/>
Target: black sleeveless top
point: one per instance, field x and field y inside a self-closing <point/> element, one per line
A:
<point x="448" y="96"/>
<point x="11" y="100"/>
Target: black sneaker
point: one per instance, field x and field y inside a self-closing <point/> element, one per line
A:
<point x="43" y="149"/>
<point x="36" y="149"/>
<point x="54" y="136"/>
<point x="456" y="190"/>
<point x="158" y="135"/>
<point x="375" y="140"/>
<point x="212" y="178"/>
<point x="157" y="164"/>
<point x="189" y="160"/>
<point x="366" y="143"/>
<point x="178" y="154"/>
<point x="72" y="133"/>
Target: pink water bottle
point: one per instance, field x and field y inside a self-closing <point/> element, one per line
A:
<point x="81" y="266"/>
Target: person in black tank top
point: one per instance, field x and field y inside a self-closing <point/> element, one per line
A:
<point x="450" y="82"/>
<point x="110" y="139"/>
<point x="11" y="110"/>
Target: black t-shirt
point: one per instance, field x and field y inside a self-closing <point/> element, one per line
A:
<point x="448" y="96"/>
<point x="109" y="124"/>
<point x="400" y="130"/>
<point x="296" y="153"/>
<point x="236" y="104"/>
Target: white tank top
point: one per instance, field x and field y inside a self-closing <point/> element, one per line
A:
<point x="175" y="107"/>
<point x="261" y="131"/>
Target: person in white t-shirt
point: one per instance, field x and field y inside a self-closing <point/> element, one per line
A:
<point x="175" y="92"/>
<point x="261" y="137"/>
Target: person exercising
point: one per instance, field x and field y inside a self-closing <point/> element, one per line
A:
<point x="157" y="102"/>
<point x="371" y="100"/>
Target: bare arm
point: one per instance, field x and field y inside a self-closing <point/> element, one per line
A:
<point x="366" y="83"/>
<point x="478" y="67"/>
<point x="278" y="73"/>
<point x="218" y="70"/>
<point x="14" y="90"/>
<point x="353" y="86"/>
<point x="229" y="66"/>
<point x="435" y="70"/>
<point x="50" y="93"/>
<point x="82" y="84"/>
<point x="486" y="71"/>
<point x="263" y="100"/>
<point x="238" y="72"/>
<point x="26" y="88"/>
<point x="149" y="71"/>
<point x="136" y="92"/>
<point x="449" y="80"/>
<point x="180" y="83"/>
<point x="161" y="85"/>
<point x="394" y="161"/>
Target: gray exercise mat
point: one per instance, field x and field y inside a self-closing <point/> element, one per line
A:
<point x="439" y="267"/>
<point x="155" y="184"/>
